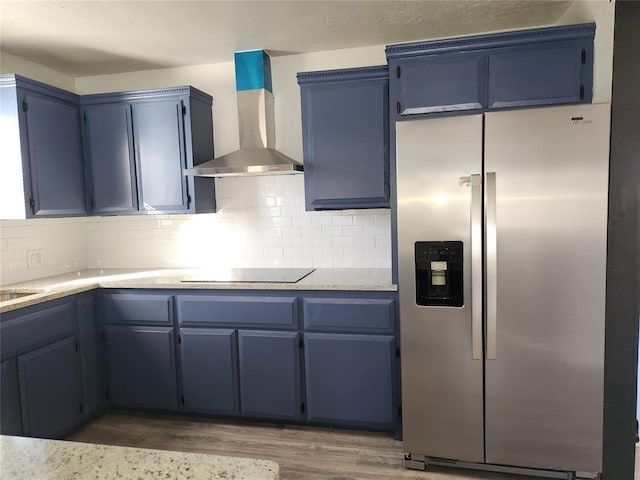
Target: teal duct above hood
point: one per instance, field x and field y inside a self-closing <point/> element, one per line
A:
<point x="256" y="155"/>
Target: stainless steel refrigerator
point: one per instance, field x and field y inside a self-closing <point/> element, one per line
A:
<point x="502" y="227"/>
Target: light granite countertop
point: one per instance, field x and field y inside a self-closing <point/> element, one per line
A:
<point x="23" y="458"/>
<point x="51" y="288"/>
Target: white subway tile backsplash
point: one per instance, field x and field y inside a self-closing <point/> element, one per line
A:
<point x="314" y="252"/>
<point x="322" y="242"/>
<point x="341" y="242"/>
<point x="374" y="230"/>
<point x="362" y="242"/>
<point x="331" y="231"/>
<point x="342" y="220"/>
<point x="353" y="231"/>
<point x="302" y="241"/>
<point x="261" y="222"/>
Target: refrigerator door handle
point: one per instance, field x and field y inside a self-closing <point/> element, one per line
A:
<point x="476" y="266"/>
<point x="491" y="265"/>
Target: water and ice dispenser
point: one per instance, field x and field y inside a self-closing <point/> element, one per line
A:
<point x="439" y="274"/>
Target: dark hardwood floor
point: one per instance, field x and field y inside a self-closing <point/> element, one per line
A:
<point x="303" y="453"/>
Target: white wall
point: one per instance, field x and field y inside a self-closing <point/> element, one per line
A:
<point x="11" y="64"/>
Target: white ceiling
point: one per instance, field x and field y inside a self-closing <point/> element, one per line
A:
<point x="82" y="38"/>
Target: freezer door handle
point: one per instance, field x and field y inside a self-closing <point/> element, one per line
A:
<point x="476" y="266"/>
<point x="491" y="265"/>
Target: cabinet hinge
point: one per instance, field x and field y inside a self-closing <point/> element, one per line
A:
<point x="581" y="92"/>
<point x="584" y="56"/>
<point x="182" y="399"/>
<point x="399" y="410"/>
<point x="398" y="108"/>
<point x="397" y="352"/>
<point x="184" y="110"/>
<point x="301" y="343"/>
<point x="32" y="204"/>
<point x="302" y="407"/>
<point x="398" y="71"/>
<point x="25" y="106"/>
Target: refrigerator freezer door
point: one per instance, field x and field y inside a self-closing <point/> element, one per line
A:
<point x="441" y="382"/>
<point x="544" y="390"/>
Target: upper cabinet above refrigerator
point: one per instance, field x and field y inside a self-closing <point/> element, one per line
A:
<point x="542" y="66"/>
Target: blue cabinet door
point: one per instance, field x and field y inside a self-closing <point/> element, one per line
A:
<point x="94" y="385"/>
<point x="10" y="411"/>
<point x="269" y="374"/>
<point x="141" y="367"/>
<point x="159" y="147"/>
<point x="56" y="164"/>
<point x="51" y="404"/>
<point x="109" y="147"/>
<point x="345" y="131"/>
<point x="555" y="72"/>
<point x="439" y="83"/>
<point x="350" y="379"/>
<point x="209" y="370"/>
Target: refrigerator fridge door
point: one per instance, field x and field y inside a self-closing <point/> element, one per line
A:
<point x="439" y="162"/>
<point x="546" y="285"/>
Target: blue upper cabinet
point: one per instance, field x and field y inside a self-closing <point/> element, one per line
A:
<point x="112" y="170"/>
<point x="41" y="151"/>
<point x="345" y="131"/>
<point x="137" y="145"/>
<point x="440" y="83"/>
<point x="542" y="66"/>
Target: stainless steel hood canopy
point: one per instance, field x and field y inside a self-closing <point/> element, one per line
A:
<point x="256" y="125"/>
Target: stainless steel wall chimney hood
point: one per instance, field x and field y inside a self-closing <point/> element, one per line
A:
<point x="256" y="125"/>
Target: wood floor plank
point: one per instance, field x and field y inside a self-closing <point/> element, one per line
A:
<point x="303" y="453"/>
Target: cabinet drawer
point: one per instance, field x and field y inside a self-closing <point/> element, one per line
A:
<point x="136" y="308"/>
<point x="349" y="314"/>
<point x="237" y="310"/>
<point x="35" y="329"/>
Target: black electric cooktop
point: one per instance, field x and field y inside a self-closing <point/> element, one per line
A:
<point x="251" y="275"/>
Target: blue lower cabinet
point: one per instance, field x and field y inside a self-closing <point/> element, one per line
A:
<point x="209" y="370"/>
<point x="270" y="374"/>
<point x="91" y="357"/>
<point x="10" y="412"/>
<point x="141" y="367"/>
<point x="350" y="379"/>
<point x="49" y="390"/>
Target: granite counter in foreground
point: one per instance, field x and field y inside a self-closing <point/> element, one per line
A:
<point x="24" y="458"/>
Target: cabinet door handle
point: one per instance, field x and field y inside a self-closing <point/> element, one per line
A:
<point x="398" y="108"/>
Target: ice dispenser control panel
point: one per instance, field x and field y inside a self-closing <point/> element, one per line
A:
<point x="439" y="274"/>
